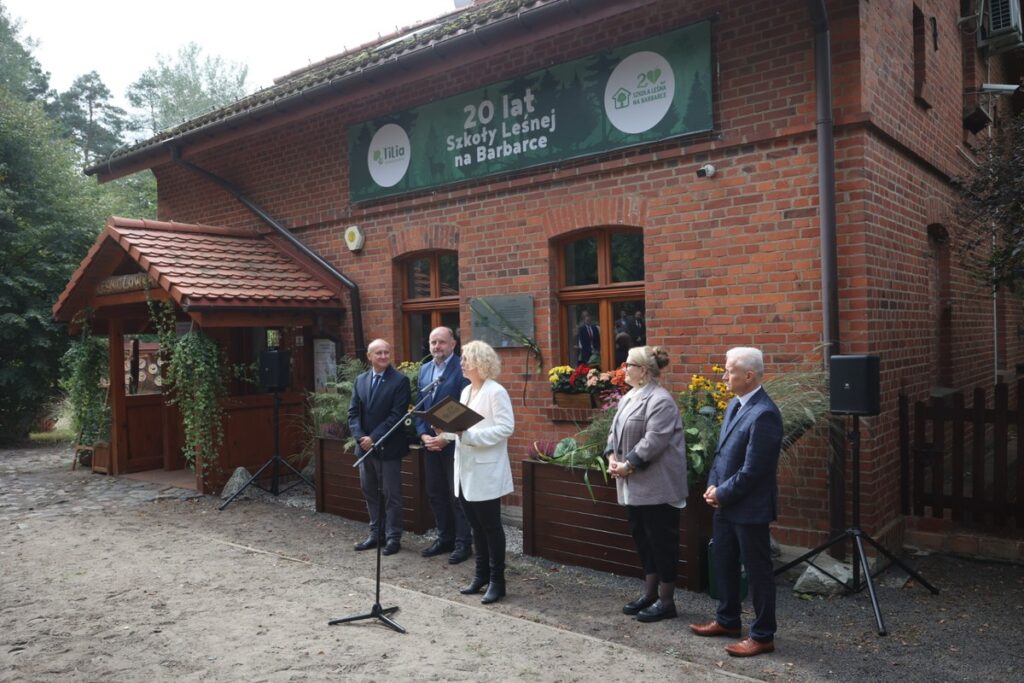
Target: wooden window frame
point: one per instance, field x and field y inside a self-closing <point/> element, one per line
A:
<point x="606" y="293"/>
<point x="434" y="304"/>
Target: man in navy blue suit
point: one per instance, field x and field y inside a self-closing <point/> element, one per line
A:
<point x="742" y="488"/>
<point x="453" y="532"/>
<point x="588" y="338"/>
<point x="380" y="398"/>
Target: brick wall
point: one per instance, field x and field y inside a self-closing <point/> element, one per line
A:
<point x="729" y="260"/>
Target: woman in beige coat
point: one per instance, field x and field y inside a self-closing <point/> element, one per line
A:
<point x="483" y="473"/>
<point x="647" y="457"/>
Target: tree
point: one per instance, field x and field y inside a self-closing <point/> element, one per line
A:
<point x="49" y="216"/>
<point x="990" y="236"/>
<point x="90" y="118"/>
<point x="20" y="73"/>
<point x="181" y="88"/>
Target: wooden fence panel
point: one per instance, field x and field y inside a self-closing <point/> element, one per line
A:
<point x="959" y="420"/>
<point x="999" y="471"/>
<point x="978" y="470"/>
<point x="934" y="440"/>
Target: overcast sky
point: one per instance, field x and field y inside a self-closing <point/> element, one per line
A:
<point x="119" y="39"/>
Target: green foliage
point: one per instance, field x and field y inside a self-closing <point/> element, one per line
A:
<point x="85" y="369"/>
<point x="195" y="379"/>
<point x="20" y="73"/>
<point x="89" y="117"/>
<point x="569" y="453"/>
<point x="328" y="410"/>
<point x="702" y="406"/>
<point x="802" y="398"/>
<point x="183" y="87"/>
<point x="48" y="219"/>
<point x="49" y="216"/>
<point x="990" y="237"/>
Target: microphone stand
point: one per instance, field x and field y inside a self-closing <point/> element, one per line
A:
<point x="376" y="611"/>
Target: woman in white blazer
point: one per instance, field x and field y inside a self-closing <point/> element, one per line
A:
<point x="483" y="473"/>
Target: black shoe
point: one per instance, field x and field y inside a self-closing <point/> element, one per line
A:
<point x="640" y="603"/>
<point x="391" y="548"/>
<point x="656" y="612"/>
<point x="475" y="585"/>
<point x="495" y="592"/>
<point x="438" y="547"/>
<point x="460" y="554"/>
<point x="370" y="542"/>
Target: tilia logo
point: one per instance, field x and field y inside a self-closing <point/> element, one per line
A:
<point x="389" y="153"/>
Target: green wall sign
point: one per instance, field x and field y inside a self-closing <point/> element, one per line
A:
<point x="647" y="91"/>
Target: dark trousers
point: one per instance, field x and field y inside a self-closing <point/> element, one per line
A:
<point x="752" y="540"/>
<point x="655" y="530"/>
<point x="439" y="472"/>
<point x="488" y="534"/>
<point x="391" y="471"/>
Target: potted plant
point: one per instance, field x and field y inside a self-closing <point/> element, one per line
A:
<point x="569" y="386"/>
<point x="328" y="409"/>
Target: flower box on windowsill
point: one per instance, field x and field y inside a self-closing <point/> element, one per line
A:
<point x="578" y="401"/>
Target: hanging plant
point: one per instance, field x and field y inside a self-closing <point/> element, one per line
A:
<point x="195" y="380"/>
<point x="84" y="374"/>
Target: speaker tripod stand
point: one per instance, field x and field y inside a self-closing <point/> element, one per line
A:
<point x="275" y="463"/>
<point x="857" y="535"/>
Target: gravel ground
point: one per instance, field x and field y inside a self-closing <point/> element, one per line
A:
<point x="964" y="633"/>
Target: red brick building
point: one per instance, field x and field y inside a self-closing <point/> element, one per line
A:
<point x="729" y="258"/>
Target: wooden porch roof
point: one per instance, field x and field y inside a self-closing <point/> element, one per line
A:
<point x="205" y="269"/>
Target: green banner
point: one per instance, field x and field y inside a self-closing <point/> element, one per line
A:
<point x="647" y="91"/>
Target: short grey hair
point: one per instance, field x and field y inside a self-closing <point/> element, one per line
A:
<point x="748" y="358"/>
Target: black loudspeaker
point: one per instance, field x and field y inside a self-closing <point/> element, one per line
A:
<point x="275" y="369"/>
<point x="854" y="385"/>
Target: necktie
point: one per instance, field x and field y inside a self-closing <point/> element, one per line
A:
<point x="374" y="385"/>
<point x="733" y="411"/>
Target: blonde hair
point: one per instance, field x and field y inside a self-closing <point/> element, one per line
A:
<point x="653" y="358"/>
<point x="482" y="357"/>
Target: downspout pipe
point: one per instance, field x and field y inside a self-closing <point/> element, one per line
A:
<point x="353" y="288"/>
<point x="826" y="177"/>
<point x="829" y="269"/>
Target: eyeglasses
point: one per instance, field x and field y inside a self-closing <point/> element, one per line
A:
<point x="633" y="365"/>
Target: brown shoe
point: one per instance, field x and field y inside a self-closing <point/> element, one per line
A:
<point x="713" y="628"/>
<point x="748" y="647"/>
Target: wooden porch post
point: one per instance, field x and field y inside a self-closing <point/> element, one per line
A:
<point x="118" y="414"/>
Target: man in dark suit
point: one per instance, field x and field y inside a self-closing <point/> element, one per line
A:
<point x="453" y="532"/>
<point x="588" y="338"/>
<point x="380" y="397"/>
<point x="637" y="329"/>
<point x="742" y="489"/>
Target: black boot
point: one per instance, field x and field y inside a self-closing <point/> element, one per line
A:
<point x="496" y="588"/>
<point x="482" y="576"/>
<point x="663" y="608"/>
<point x="645" y="600"/>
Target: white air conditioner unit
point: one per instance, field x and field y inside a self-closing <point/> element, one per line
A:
<point x="1001" y="27"/>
